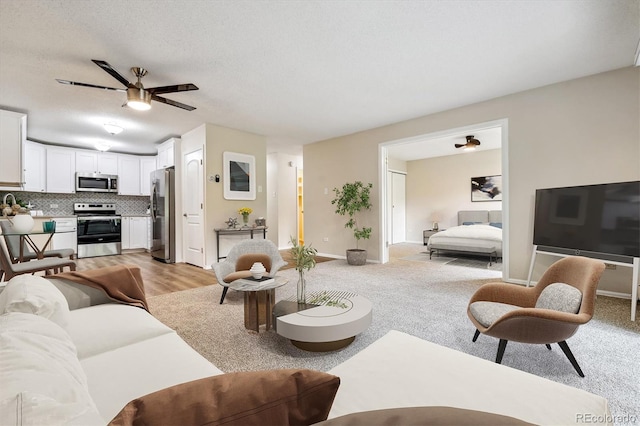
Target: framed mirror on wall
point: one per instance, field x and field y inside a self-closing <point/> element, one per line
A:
<point x="239" y="176"/>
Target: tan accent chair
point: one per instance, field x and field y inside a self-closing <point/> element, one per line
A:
<point x="240" y="259"/>
<point x="9" y="270"/>
<point x="550" y="312"/>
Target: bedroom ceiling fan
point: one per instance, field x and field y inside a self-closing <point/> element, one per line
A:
<point x="137" y="96"/>
<point x="470" y="145"/>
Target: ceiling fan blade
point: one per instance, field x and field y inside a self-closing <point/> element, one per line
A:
<point x="75" y="83"/>
<point x="460" y="145"/>
<point x="172" y="103"/>
<point x="115" y="74"/>
<point x="171" y="89"/>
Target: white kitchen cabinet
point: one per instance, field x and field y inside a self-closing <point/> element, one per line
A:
<point x="13" y="135"/>
<point x="129" y="174"/>
<point x="96" y="162"/>
<point x="166" y="154"/>
<point x="147" y="166"/>
<point x="35" y="167"/>
<point x="134" y="232"/>
<point x="61" y="170"/>
<point x="66" y="235"/>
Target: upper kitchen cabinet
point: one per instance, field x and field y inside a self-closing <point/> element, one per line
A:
<point x="129" y="174"/>
<point x="166" y="153"/>
<point x="96" y="162"/>
<point x="13" y="135"/>
<point x="61" y="170"/>
<point x="35" y="167"/>
<point x="147" y="166"/>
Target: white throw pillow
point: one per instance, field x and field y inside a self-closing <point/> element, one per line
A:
<point x="32" y="294"/>
<point x="42" y="379"/>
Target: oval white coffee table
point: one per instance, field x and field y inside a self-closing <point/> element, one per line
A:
<point x="329" y="320"/>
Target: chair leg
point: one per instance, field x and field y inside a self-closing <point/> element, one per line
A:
<point x="548" y="346"/>
<point x="224" y="293"/>
<point x="475" y="336"/>
<point x="567" y="352"/>
<point x="501" y="347"/>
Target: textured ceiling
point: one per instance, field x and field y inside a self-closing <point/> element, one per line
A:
<point x="295" y="71"/>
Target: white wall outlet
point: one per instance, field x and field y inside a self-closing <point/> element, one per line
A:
<point x="259" y="188"/>
<point x="326" y="191"/>
<point x="325" y="239"/>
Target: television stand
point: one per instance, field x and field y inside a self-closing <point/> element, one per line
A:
<point x="634" y="279"/>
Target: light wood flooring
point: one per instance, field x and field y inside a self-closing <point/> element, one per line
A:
<point x="161" y="278"/>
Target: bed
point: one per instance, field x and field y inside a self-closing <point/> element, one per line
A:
<point x="478" y="232"/>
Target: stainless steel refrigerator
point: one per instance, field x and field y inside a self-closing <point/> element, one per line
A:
<point x="162" y="209"/>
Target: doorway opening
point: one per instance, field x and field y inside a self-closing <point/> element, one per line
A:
<point x="439" y="142"/>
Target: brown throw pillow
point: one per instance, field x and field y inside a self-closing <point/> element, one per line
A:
<point x="282" y="397"/>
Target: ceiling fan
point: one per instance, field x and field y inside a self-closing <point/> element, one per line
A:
<point x="137" y="96"/>
<point x="470" y="145"/>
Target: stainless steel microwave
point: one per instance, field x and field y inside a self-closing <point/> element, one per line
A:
<point x="95" y="182"/>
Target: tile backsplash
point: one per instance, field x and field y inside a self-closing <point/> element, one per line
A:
<point x="125" y="204"/>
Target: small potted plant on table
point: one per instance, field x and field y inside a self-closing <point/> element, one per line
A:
<point x="305" y="258"/>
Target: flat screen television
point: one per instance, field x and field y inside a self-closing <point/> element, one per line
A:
<point x="601" y="221"/>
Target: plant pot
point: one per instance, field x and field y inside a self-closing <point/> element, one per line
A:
<point x="356" y="257"/>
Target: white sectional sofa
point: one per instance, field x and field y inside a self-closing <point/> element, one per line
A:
<point x="79" y="358"/>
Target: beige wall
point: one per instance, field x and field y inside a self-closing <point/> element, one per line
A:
<point x="437" y="188"/>
<point x="582" y="131"/>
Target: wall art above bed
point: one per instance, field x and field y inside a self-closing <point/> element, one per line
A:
<point x="487" y="188"/>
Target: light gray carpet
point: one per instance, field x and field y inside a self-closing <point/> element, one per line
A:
<point x="470" y="261"/>
<point x="425" y="299"/>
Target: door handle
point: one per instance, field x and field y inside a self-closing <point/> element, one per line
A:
<point x="184" y="214"/>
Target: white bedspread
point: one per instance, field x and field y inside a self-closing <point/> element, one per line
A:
<point x="468" y="238"/>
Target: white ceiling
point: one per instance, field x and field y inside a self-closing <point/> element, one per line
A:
<point x="295" y="71"/>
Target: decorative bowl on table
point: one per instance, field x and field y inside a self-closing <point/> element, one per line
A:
<point x="257" y="270"/>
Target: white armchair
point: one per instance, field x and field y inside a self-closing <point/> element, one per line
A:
<point x="242" y="256"/>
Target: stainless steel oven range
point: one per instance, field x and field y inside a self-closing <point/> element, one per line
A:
<point x="99" y="229"/>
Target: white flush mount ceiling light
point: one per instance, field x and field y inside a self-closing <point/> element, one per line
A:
<point x="101" y="146"/>
<point x="113" y="129"/>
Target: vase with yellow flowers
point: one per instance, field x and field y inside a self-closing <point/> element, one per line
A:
<point x="245" y="212"/>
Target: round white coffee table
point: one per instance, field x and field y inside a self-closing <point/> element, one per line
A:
<point x="329" y="320"/>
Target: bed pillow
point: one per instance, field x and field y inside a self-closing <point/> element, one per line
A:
<point x="496" y="224"/>
<point x="42" y="379"/>
<point x="32" y="294"/>
<point x="472" y="223"/>
<point x="287" y="396"/>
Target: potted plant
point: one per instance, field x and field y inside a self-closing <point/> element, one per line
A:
<point x="350" y="200"/>
<point x="305" y="258"/>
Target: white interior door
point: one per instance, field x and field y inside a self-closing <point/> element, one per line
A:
<point x="193" y="212"/>
<point x="398" y="208"/>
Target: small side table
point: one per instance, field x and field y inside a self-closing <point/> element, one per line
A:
<point x="259" y="300"/>
<point x="427" y="233"/>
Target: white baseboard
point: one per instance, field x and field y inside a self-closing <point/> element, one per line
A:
<point x="607" y="293"/>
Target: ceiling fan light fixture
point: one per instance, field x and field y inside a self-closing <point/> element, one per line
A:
<point x="113" y="129"/>
<point x="138" y="99"/>
<point x="469" y="148"/>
